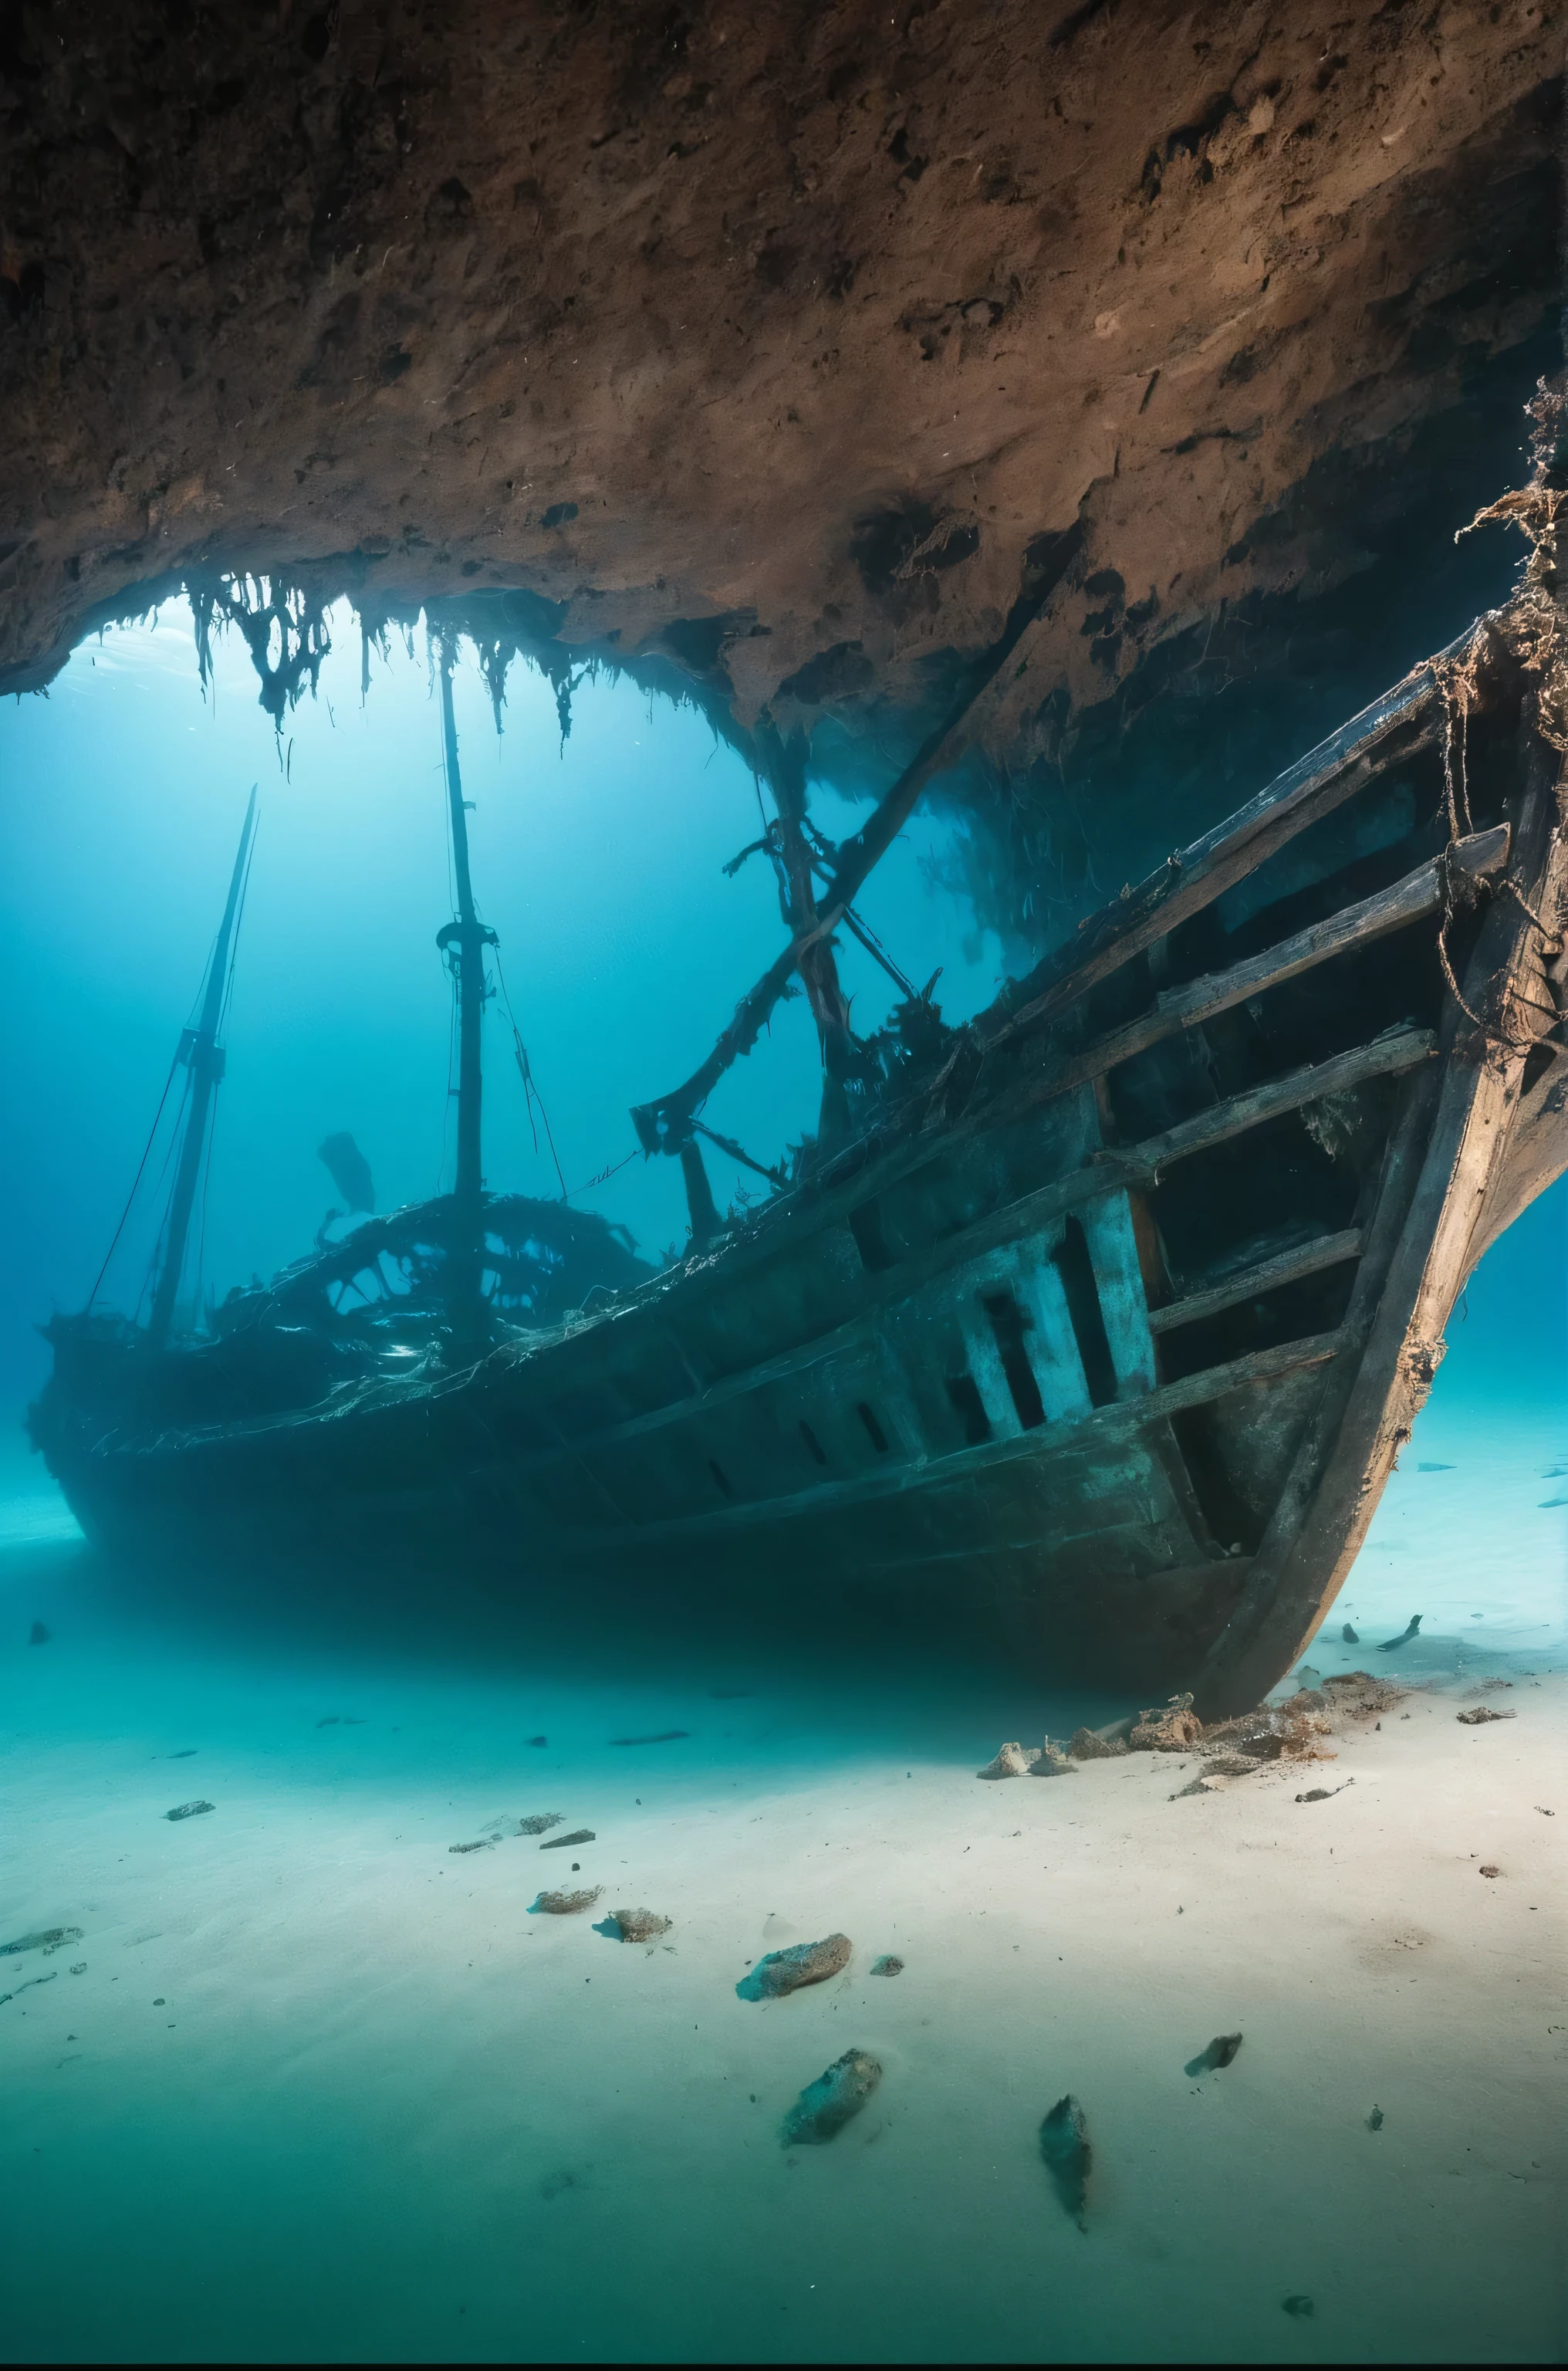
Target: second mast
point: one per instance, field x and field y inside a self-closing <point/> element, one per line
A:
<point x="464" y="942"/>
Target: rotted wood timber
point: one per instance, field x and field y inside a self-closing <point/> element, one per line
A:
<point x="1286" y="1267"/>
<point x="1325" y="1510"/>
<point x="1411" y="900"/>
<point x="1101" y="1428"/>
<point x="1397" y="725"/>
<point x="1100" y="1335"/>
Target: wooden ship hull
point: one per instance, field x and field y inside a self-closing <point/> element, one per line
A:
<point x="1101" y="1338"/>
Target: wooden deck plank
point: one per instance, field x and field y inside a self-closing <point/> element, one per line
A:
<point x="1394" y="908"/>
<point x="1393" y="727"/>
<point x="1286" y="1267"/>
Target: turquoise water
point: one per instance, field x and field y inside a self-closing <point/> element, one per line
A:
<point x="600" y="864"/>
<point x="311" y="2085"/>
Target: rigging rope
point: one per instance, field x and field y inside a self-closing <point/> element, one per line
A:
<point x="163" y="1178"/>
<point x="778" y="1177"/>
<point x="206" y="1181"/>
<point x="140" y="1165"/>
<point x="530" y="1088"/>
<point x="604" y="1174"/>
<point x="1456" y="683"/>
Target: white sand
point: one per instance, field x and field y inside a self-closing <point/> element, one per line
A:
<point x="324" y="2089"/>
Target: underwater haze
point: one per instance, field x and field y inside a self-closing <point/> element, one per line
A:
<point x="308" y="2074"/>
<point x="598" y="858"/>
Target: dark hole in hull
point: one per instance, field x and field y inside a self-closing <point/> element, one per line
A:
<point x="1073" y="1265"/>
<point x="813" y="1443"/>
<point x="1216" y="1212"/>
<point x="719" y="1476"/>
<point x="1008" y="1323"/>
<point x="1313" y="1305"/>
<point x="1232" y="1523"/>
<point x="874" y="1432"/>
<point x="965" y="1393"/>
<point x="865" y="1225"/>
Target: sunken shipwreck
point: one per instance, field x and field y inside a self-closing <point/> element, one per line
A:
<point x="784" y="911"/>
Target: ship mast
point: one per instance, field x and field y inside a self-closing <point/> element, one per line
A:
<point x="464" y="942"/>
<point x="203" y="1058"/>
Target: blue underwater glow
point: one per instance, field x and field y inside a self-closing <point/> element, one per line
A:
<point x="599" y="861"/>
<point x="314" y="2075"/>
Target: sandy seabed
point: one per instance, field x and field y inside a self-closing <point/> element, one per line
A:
<point x="311" y="2085"/>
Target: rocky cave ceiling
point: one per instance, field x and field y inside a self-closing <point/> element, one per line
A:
<point x="763" y="350"/>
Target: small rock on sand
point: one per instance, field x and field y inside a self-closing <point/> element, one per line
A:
<point x="566" y="1905"/>
<point x="1220" y="2052"/>
<point x="1052" y="1763"/>
<point x="1087" y="1745"/>
<point x="1481" y="1713"/>
<point x="1300" y="2309"/>
<point x="1013" y="1760"/>
<point x="825" y="2106"/>
<point x="890" y="1964"/>
<point x="803" y="1963"/>
<point x="1352" y="1637"/>
<point x="1375" y="2120"/>
<point x="188" y="1810"/>
<point x="640" y="1925"/>
<point x="1064" y="2145"/>
<point x="538" y="1824"/>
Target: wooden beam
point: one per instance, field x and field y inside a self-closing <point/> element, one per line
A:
<point x="1286" y="1267"/>
<point x="1137" y="1166"/>
<point x="1395" y="1342"/>
<point x="661" y="1126"/>
<point x="1394" y="727"/>
<point x="811" y="1210"/>
<point x="1394" y="908"/>
<point x="1099" y="1428"/>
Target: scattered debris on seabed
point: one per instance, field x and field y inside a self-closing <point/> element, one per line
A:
<point x="803" y="1963"/>
<point x="825" y="2106"/>
<point x="1235" y="1748"/>
<point x="47" y="1940"/>
<point x="1064" y="2145"/>
<point x="640" y="1925"/>
<point x="1221" y="2052"/>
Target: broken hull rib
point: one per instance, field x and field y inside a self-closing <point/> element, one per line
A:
<point x="1103" y="1343"/>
